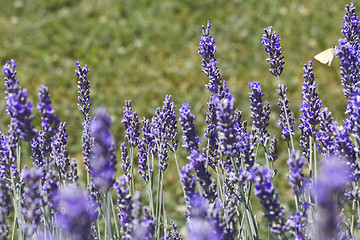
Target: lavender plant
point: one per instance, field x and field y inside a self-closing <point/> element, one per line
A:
<point x="223" y="176"/>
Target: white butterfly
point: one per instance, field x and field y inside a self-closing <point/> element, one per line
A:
<point x="326" y="56"/>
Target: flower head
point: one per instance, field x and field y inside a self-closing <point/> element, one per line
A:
<point x="191" y="141"/>
<point x="103" y="159"/>
<point x="271" y="42"/>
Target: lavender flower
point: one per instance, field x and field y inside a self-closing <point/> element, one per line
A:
<point x="225" y="125"/>
<point x="310" y="109"/>
<point x="19" y="110"/>
<point x="351" y="27"/>
<point x="32" y="200"/>
<point x="51" y="185"/>
<point x="349" y="67"/>
<point x="207" y="49"/>
<point x="75" y="212"/>
<point x="202" y="226"/>
<point x="5" y="207"/>
<point x="203" y="175"/>
<point x="124" y="206"/>
<point x="273" y="149"/>
<point x="298" y="224"/>
<point x="84" y="107"/>
<point x="60" y="153"/>
<point x="325" y="133"/>
<point x="174" y="232"/>
<point x="189" y="183"/>
<point x="103" y="159"/>
<point x="247" y="148"/>
<point x="328" y="189"/>
<point x="50" y="121"/>
<point x="285" y="115"/>
<point x="259" y="113"/>
<point x="191" y="141"/>
<point x="132" y="125"/>
<point x="83" y="90"/>
<point x="163" y="128"/>
<point x="148" y="136"/>
<point x="211" y="134"/>
<point x="296" y="177"/>
<point x="125" y="165"/>
<point x="271" y="42"/>
<point x="230" y="217"/>
<point x="264" y="190"/>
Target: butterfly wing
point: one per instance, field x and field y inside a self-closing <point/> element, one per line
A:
<point x="325" y="56"/>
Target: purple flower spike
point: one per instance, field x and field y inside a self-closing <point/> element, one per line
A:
<point x="75" y="212"/>
<point x="203" y="175"/>
<point x="191" y="141"/>
<point x="18" y="108"/>
<point x="83" y="89"/>
<point x="225" y="125"/>
<point x="351" y="27"/>
<point x="207" y="49"/>
<point x="271" y="42"/>
<point x="32" y="200"/>
<point x="103" y="159"/>
<point x="11" y="82"/>
<point x="211" y="134"/>
<point x="5" y="207"/>
<point x="285" y="111"/>
<point x="265" y="191"/>
<point x="259" y="113"/>
<point x="296" y="177"/>
<point x="50" y="121"/>
<point x="328" y="189"/>
<point x="349" y="67"/>
<point x="132" y="125"/>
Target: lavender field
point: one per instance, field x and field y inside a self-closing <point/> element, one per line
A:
<point x="225" y="178"/>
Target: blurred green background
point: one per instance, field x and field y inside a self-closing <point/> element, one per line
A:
<point x="143" y="50"/>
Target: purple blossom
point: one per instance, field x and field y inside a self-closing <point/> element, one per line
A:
<point x="144" y="166"/>
<point x="189" y="183"/>
<point x="264" y="190"/>
<point x="60" y="153"/>
<point x="310" y="109"/>
<point x="103" y="159"/>
<point x="211" y="134"/>
<point x="164" y="130"/>
<point x="203" y="175"/>
<point x="298" y="224"/>
<point x="247" y="148"/>
<point x="84" y="107"/>
<point x="83" y="89"/>
<point x="349" y="67"/>
<point x="132" y="125"/>
<point x="230" y="217"/>
<point x="351" y="27"/>
<point x="225" y="125"/>
<point x="325" y="135"/>
<point x="5" y="207"/>
<point x="50" y="185"/>
<point x="296" y="177"/>
<point x="124" y="206"/>
<point x="328" y="189"/>
<point x="207" y="49"/>
<point x="32" y="200"/>
<point x="271" y="42"/>
<point x="50" y="121"/>
<point x="273" y="149"/>
<point x="75" y="212"/>
<point x="174" y="232"/>
<point x="191" y="141"/>
<point x="125" y="165"/>
<point x="19" y="110"/>
<point x="259" y="113"/>
<point x="148" y="136"/>
<point x="287" y="131"/>
<point x="202" y="226"/>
